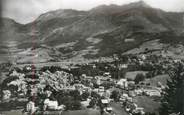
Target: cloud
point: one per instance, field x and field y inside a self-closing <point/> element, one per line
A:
<point x="25" y="11"/>
<point x="168" y="5"/>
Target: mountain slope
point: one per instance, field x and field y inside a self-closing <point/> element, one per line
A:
<point x="101" y="31"/>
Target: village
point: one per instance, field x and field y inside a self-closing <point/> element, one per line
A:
<point x="129" y="85"/>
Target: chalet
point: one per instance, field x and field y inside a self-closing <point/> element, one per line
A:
<point x="138" y="92"/>
<point x="88" y="77"/>
<point x="6" y="94"/>
<point x="152" y="92"/>
<point x="124" y="97"/>
<point x="109" y="109"/>
<point x="107" y="74"/>
<point x="124" y="66"/>
<point x="105" y="102"/>
<point x="123" y="83"/>
<point x="132" y="93"/>
<point x="101" y="89"/>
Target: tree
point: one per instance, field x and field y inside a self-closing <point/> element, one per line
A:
<point x="75" y="105"/>
<point x="92" y="103"/>
<point x="70" y="103"/>
<point x="85" y="95"/>
<point x="115" y="95"/>
<point x="139" y="77"/>
<point x="150" y="74"/>
<point x="108" y="84"/>
<point x="172" y="101"/>
<point x="95" y="95"/>
<point x="75" y="94"/>
<point x="150" y="113"/>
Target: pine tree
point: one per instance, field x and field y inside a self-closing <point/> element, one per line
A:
<point x="173" y="98"/>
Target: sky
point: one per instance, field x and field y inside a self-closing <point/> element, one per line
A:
<point x="25" y="11"/>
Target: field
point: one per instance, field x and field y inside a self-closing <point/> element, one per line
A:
<point x="160" y="78"/>
<point x="82" y="112"/>
<point x="132" y="75"/>
<point x="148" y="103"/>
<point x="78" y="112"/>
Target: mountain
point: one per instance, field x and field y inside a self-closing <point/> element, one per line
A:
<point x="101" y="31"/>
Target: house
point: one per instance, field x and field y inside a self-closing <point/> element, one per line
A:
<point x="6" y="94"/>
<point x="79" y="87"/>
<point x="131" y="84"/>
<point x="83" y="76"/>
<point x="88" y="77"/>
<point x="138" y="92"/>
<point x="101" y="89"/>
<point x="105" y="102"/>
<point x="14" y="73"/>
<point x="124" y="97"/>
<point x="106" y="94"/>
<point x="106" y="74"/>
<point x="98" y="81"/>
<point x="104" y="79"/>
<point x="152" y="92"/>
<point x="130" y="99"/>
<point x="138" y="110"/>
<point x="86" y="103"/>
<point x="108" y="109"/>
<point x="129" y="40"/>
<point x="123" y="83"/>
<point x="130" y="106"/>
<point x="143" y="57"/>
<point x="95" y="90"/>
<point x="124" y="66"/>
<point x="69" y="88"/>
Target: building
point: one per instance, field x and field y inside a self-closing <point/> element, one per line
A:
<point x="152" y="92"/>
<point x="129" y="40"/>
<point x="123" y="83"/>
<point x="105" y="102"/>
